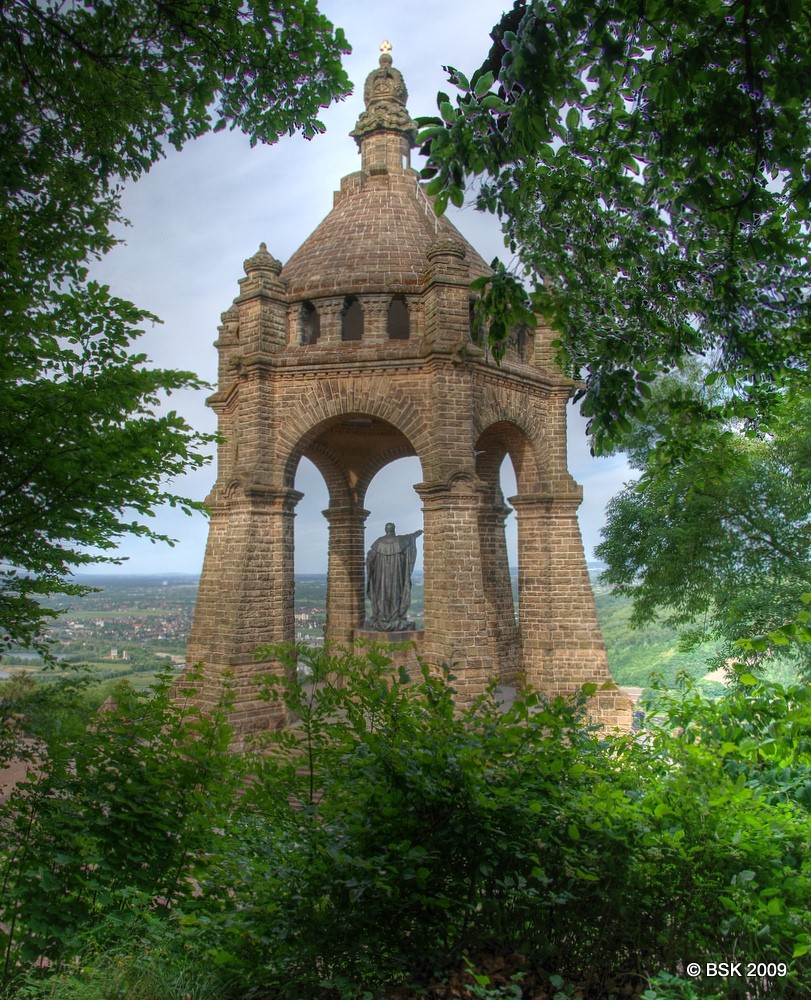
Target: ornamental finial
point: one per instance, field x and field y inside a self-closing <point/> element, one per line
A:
<point x="385" y="96"/>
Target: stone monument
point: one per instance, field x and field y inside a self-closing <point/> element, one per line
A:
<point x="355" y="353"/>
<point x="389" y="564"/>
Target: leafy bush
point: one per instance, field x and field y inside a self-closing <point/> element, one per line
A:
<point x="390" y="840"/>
<point x="389" y="835"/>
<point x="113" y="820"/>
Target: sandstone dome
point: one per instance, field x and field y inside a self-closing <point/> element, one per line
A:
<point x="382" y="226"/>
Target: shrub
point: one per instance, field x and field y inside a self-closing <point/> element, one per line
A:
<point x="391" y="839"/>
<point x="389" y="835"/>
<point x="115" y="819"/>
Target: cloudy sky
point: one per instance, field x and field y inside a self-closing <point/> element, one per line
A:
<point x="199" y="213"/>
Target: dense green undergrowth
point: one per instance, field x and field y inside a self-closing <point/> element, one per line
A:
<point x="390" y="844"/>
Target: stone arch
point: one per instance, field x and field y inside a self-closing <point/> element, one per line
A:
<point x="350" y="449"/>
<point x="380" y="463"/>
<point x="234" y="490"/>
<point x="398" y="322"/>
<point x="505" y="437"/>
<point x="309" y="323"/>
<point x="352" y="319"/>
<point x="339" y="403"/>
<point x="329" y="465"/>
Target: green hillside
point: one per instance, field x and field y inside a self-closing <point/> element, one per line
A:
<point x="135" y="626"/>
<point x="633" y="654"/>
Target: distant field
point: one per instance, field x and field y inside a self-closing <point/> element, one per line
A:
<point x="134" y="624"/>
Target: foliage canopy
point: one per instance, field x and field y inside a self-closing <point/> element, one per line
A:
<point x="718" y="542"/>
<point x="650" y="165"/>
<point x="90" y="95"/>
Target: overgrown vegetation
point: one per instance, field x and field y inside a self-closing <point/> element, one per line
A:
<point x="718" y="544"/>
<point x="391" y="845"/>
<point x="92" y="95"/>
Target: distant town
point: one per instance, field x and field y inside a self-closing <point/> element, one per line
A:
<point x="139" y="624"/>
<point x="136" y="626"/>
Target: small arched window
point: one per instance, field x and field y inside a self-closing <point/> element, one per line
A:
<point x="352" y="320"/>
<point x="476" y="322"/>
<point x="310" y="323"/>
<point x="398" y="321"/>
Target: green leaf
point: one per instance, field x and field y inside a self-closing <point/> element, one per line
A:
<point x="483" y="84"/>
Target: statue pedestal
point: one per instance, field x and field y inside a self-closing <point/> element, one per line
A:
<point x="404" y="647"/>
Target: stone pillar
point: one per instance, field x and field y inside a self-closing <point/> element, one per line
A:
<point x="561" y="644"/>
<point x="331" y="313"/>
<point x="533" y="588"/>
<point x="455" y="610"/>
<point x="345" y="573"/>
<point x="294" y="324"/>
<point x="262" y="306"/>
<point x="375" y="318"/>
<point x="447" y="280"/>
<point x="501" y="624"/>
<point x="415" y="317"/>
<point x="246" y="598"/>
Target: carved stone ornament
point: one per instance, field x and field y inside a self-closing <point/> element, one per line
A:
<point x="385" y="96"/>
<point x="262" y="261"/>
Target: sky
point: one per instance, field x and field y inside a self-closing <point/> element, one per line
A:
<point x="198" y="214"/>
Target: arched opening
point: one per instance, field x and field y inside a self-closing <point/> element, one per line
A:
<point x="505" y="463"/>
<point x="508" y="487"/>
<point x="352" y="319"/>
<point x="472" y="319"/>
<point x="336" y="460"/>
<point x="391" y="498"/>
<point x="398" y="326"/>
<point x="310" y="550"/>
<point x="310" y="324"/>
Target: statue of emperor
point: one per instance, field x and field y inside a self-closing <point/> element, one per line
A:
<point x="389" y="563"/>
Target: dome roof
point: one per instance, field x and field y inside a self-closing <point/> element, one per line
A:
<point x="377" y="237"/>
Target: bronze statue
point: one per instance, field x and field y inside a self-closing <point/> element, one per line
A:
<point x="389" y="563"/>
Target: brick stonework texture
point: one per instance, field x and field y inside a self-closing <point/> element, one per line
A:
<point x="314" y="363"/>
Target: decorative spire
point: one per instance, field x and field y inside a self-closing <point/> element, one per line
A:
<point x="262" y="262"/>
<point x="385" y="96"/>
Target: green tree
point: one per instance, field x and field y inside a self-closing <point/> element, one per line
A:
<point x="717" y="543"/>
<point x="90" y="95"/>
<point x="650" y="164"/>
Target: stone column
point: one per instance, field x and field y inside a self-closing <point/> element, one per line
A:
<point x="562" y="647"/>
<point x="447" y="280"/>
<point x="501" y="623"/>
<point x="533" y="587"/>
<point x="375" y="318"/>
<point x="246" y="597"/>
<point x="345" y="573"/>
<point x="415" y="317"/>
<point x="330" y="311"/>
<point x="294" y="324"/>
<point x="455" y="611"/>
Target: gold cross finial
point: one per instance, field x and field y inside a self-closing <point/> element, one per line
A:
<point x="385" y="46"/>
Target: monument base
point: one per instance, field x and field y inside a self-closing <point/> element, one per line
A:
<point x="404" y="647"/>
